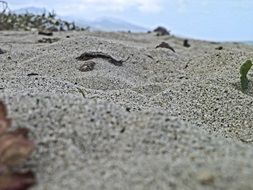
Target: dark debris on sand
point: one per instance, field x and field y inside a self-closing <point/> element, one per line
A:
<point x="2" y="51"/>
<point x="161" y="31"/>
<point x="165" y="45"/>
<point x="186" y="43"/>
<point x="92" y="55"/>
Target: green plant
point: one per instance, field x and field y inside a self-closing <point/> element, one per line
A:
<point x="244" y="71"/>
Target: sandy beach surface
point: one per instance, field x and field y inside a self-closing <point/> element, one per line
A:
<point x="160" y="120"/>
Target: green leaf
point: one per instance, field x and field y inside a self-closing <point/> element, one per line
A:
<point x="244" y="71"/>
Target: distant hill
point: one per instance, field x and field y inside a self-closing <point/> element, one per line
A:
<point x="111" y="24"/>
<point x="105" y="24"/>
<point x="249" y="43"/>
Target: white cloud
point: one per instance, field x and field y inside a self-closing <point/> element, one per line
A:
<point x="110" y="5"/>
<point x="143" y="5"/>
<point x="182" y="5"/>
<point x="150" y="5"/>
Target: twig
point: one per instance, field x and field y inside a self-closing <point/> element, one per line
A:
<point x="91" y="55"/>
<point x="81" y="91"/>
<point x="165" y="45"/>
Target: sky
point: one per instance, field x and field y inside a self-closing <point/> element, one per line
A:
<point x="219" y="20"/>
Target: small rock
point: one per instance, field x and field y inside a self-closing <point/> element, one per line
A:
<point x="206" y="178"/>
<point x="219" y="48"/>
<point x="186" y="43"/>
<point x="2" y="51"/>
<point x="161" y="31"/>
<point x="165" y="45"/>
<point x="123" y="130"/>
<point x="87" y="66"/>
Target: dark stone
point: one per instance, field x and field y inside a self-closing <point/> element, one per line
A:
<point x="2" y="51"/>
<point x="186" y="43"/>
<point x="219" y="48"/>
<point x="45" y="33"/>
<point x="123" y="130"/>
<point x="161" y="31"/>
<point x="32" y="74"/>
<point x="165" y="45"/>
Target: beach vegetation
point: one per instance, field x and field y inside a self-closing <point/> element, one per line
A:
<point x="9" y="20"/>
<point x="244" y="71"/>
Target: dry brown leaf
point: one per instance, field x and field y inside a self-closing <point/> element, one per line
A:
<point x="3" y="110"/>
<point x="17" y="181"/>
<point x="14" y="147"/>
<point x="5" y="123"/>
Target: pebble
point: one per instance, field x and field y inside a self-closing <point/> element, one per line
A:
<point x="206" y="178"/>
<point x="87" y="66"/>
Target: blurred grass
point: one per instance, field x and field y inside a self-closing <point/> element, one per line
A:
<point x="47" y="21"/>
